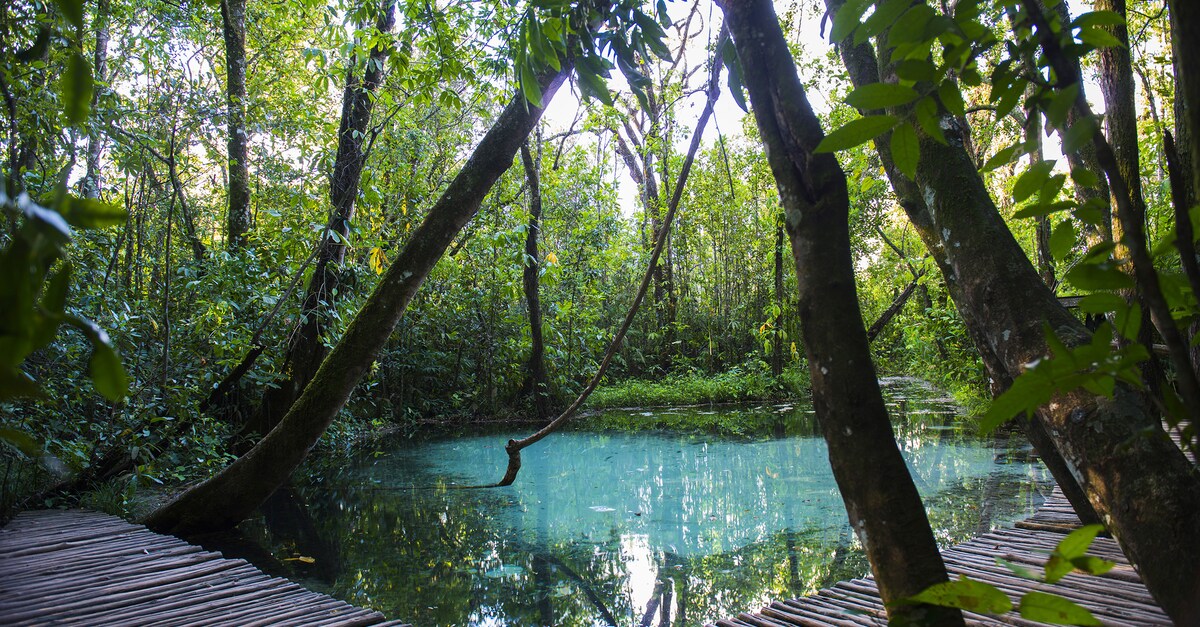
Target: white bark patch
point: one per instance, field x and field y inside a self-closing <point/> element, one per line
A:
<point x="860" y="530"/>
<point x="792" y="216"/>
<point x="1006" y="334"/>
<point x="824" y="370"/>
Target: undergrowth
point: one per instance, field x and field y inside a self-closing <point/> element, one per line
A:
<point x="751" y="381"/>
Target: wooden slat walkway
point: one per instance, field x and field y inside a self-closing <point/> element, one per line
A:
<point x="76" y="567"/>
<point x="1116" y="598"/>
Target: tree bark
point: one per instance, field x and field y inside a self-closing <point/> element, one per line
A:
<point x="1135" y="478"/>
<point x="882" y="502"/>
<point x="232" y="494"/>
<point x="539" y="385"/>
<point x="306" y="347"/>
<point x="777" y="339"/>
<point x="893" y="309"/>
<point x="1086" y="159"/>
<point x="233" y="18"/>
<point x="90" y="186"/>
<point x="863" y="68"/>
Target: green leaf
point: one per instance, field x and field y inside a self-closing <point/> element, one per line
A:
<point x="1062" y="240"/>
<point x="107" y="373"/>
<point x="733" y="65"/>
<point x="912" y="26"/>
<point x="1002" y="157"/>
<point x="847" y="19"/>
<point x="1093" y="212"/>
<point x="1050" y="608"/>
<point x="1098" y="276"/>
<point x="529" y="84"/>
<point x="880" y="96"/>
<point x="966" y="594"/>
<point x="592" y="86"/>
<point x="1031" y="180"/>
<point x="905" y="149"/>
<point x="930" y="119"/>
<point x="76" y="87"/>
<point x="1101" y="303"/>
<point x="884" y="16"/>
<point x="952" y="98"/>
<point x="54" y="297"/>
<point x="1098" y="18"/>
<point x="1057" y="567"/>
<point x="916" y="70"/>
<point x="1077" y="542"/>
<point x="1084" y="177"/>
<point x="89" y="213"/>
<point x="1098" y="37"/>
<point x="1091" y="564"/>
<point x="1018" y="569"/>
<point x="14" y="383"/>
<point x="73" y="10"/>
<point x="1060" y="103"/>
<point x="856" y="132"/>
<point x="1079" y="134"/>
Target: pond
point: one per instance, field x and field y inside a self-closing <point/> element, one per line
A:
<point x="636" y="517"/>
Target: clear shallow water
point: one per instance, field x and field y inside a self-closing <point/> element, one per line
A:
<point x="608" y="525"/>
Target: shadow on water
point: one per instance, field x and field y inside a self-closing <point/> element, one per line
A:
<point x="660" y="517"/>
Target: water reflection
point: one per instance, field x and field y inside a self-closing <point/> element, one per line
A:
<point x="641" y="526"/>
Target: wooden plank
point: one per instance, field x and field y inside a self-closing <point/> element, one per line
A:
<point x="1117" y="598"/>
<point x="83" y="568"/>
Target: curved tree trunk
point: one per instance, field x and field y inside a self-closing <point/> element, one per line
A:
<point x="306" y="347"/>
<point x="882" y="502"/>
<point x="231" y="495"/>
<point x="237" y="222"/>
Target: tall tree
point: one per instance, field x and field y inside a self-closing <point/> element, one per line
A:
<point x="306" y="346"/>
<point x="881" y="499"/>
<point x="1139" y="483"/>
<point x="238" y="218"/>
<point x="537" y="383"/>
<point x="90" y="185"/>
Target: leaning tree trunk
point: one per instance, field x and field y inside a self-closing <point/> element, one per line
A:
<point x="233" y="19"/>
<point x="306" y="348"/>
<point x="539" y="385"/>
<point x="863" y="69"/>
<point x="882" y="502"/>
<point x="1138" y="482"/>
<point x="232" y="494"/>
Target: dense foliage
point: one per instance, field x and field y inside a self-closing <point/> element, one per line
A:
<point x="184" y="303"/>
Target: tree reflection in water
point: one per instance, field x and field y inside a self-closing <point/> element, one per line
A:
<point x="637" y="525"/>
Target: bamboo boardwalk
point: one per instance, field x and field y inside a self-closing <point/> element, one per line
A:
<point x="1117" y="598"/>
<point x="76" y="567"/>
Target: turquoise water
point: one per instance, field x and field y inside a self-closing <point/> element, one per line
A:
<point x="634" y="526"/>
